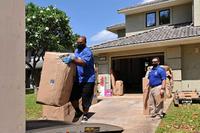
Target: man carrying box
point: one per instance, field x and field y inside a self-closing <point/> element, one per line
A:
<point x="157" y="83"/>
<point x="85" y="78"/>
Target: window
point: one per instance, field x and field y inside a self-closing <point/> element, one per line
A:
<point x="151" y="19"/>
<point x="164" y="17"/>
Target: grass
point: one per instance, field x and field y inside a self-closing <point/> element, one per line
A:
<point x="33" y="110"/>
<point x="182" y="119"/>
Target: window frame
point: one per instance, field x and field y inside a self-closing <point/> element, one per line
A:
<point x="169" y="16"/>
<point x="154" y="12"/>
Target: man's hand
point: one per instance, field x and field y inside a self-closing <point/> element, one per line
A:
<point x="67" y="59"/>
<point x="162" y="91"/>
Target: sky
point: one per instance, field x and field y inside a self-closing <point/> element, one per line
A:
<point x="91" y="17"/>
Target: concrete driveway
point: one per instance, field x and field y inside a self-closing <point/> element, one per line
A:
<point x="125" y="111"/>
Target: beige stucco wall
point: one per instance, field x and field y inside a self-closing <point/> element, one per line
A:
<point x="134" y="23"/>
<point x="182" y="13"/>
<point x="185" y="62"/>
<point x="137" y="22"/>
<point x="191" y="67"/>
<point x="191" y="62"/>
<point x="12" y="72"/>
<point x="196" y="12"/>
<point x="173" y="59"/>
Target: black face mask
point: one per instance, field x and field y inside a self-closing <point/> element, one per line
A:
<point x="155" y="65"/>
<point x="80" y="46"/>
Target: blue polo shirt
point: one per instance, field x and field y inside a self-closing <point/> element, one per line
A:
<point x="156" y="76"/>
<point x="85" y="73"/>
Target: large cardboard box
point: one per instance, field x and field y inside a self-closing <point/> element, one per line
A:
<point x="56" y="80"/>
<point x="146" y="110"/>
<point x="63" y="113"/>
<point x="119" y="88"/>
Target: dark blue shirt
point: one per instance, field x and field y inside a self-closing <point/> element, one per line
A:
<point x="156" y="76"/>
<point x="85" y="73"/>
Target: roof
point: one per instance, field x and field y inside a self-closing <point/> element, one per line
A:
<point x="162" y="33"/>
<point x="116" y="27"/>
<point x="143" y="4"/>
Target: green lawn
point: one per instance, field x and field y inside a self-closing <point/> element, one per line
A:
<point x="182" y="119"/>
<point x="33" y="110"/>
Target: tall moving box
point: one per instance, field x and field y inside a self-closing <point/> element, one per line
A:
<point x="56" y="80"/>
<point x="119" y="88"/>
<point x="146" y="110"/>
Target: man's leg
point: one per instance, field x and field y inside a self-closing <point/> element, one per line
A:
<point x="75" y="96"/>
<point x="159" y="101"/>
<point x="75" y="104"/>
<point x="152" y="104"/>
<point x="87" y="95"/>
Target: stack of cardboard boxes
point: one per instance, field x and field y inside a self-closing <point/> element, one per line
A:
<point x="117" y="86"/>
<point x="55" y="88"/>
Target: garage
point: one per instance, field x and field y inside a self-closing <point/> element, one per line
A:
<point x="131" y="70"/>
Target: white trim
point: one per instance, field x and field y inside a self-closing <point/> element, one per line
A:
<point x="155" y="6"/>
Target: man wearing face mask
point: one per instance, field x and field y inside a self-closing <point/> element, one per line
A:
<point x="85" y="78"/>
<point x="157" y="83"/>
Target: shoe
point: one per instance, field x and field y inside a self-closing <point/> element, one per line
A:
<point x="84" y="119"/>
<point x="77" y="116"/>
<point x="162" y="115"/>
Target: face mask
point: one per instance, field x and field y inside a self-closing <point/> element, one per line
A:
<point x="155" y="65"/>
<point x="80" y="46"/>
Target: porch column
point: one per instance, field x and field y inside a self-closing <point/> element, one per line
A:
<point x="173" y="59"/>
<point x="196" y="12"/>
<point x="12" y="70"/>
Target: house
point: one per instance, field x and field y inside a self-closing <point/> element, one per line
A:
<point x="169" y="29"/>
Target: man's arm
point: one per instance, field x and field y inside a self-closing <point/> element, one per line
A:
<point x="78" y="61"/>
<point x="163" y="78"/>
<point x="163" y="84"/>
<point x="84" y="59"/>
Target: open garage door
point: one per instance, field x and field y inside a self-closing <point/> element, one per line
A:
<point x="131" y="70"/>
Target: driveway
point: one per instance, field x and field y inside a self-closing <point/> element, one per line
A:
<point x="125" y="111"/>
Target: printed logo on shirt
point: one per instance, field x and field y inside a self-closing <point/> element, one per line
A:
<point x="156" y="73"/>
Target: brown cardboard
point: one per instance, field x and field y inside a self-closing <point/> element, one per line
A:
<point x="113" y="82"/>
<point x="145" y="96"/>
<point x="63" y="113"/>
<point x="119" y="88"/>
<point x="56" y="80"/>
<point x="94" y="99"/>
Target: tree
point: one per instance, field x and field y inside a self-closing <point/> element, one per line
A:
<point x="47" y="29"/>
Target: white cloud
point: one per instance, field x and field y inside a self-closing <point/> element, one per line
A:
<point x="102" y="36"/>
<point x="146" y="1"/>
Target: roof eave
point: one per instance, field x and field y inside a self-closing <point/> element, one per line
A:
<point x="115" y="29"/>
<point x="150" y="7"/>
<point x="174" y="42"/>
